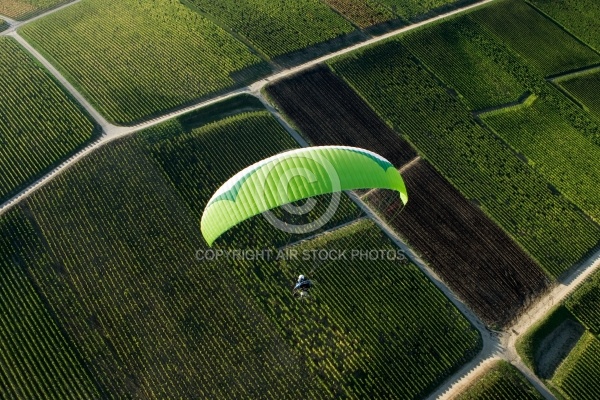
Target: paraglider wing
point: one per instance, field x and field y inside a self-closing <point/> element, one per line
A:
<point x="296" y="175"/>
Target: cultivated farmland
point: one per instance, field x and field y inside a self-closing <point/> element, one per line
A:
<point x="196" y="171"/>
<point x="40" y="123"/>
<point x="585" y="304"/>
<point x="473" y="256"/>
<point x="148" y="319"/>
<point x="36" y="360"/>
<point x="580" y="17"/>
<point x="328" y="112"/>
<point x="363" y="13"/>
<point x="579" y="375"/>
<point x="585" y="89"/>
<point x="456" y="238"/>
<point x="113" y="249"/>
<point x="471" y="157"/>
<point x="502" y="382"/>
<point x="541" y="42"/>
<point x="135" y="59"/>
<point x="462" y="54"/>
<point x="24" y="9"/>
<point x="411" y="335"/>
<point x="554" y="147"/>
<point x="278" y="27"/>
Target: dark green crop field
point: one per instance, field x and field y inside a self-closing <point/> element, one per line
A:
<point x="470" y="156"/>
<point x="37" y="361"/>
<point x="537" y="39"/>
<point x="409" y="9"/>
<point x="277" y="27"/>
<point x="567" y="159"/>
<point x="585" y="89"/>
<point x="40" y="124"/>
<point x="502" y="382"/>
<point x="134" y="60"/>
<point x="580" y="17"/>
<point x="464" y="55"/>
<point x="363" y="13"/>
<point x="585" y="304"/>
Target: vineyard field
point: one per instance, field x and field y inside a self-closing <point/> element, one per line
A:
<point x="113" y="246"/>
<point x="134" y="60"/>
<point x="537" y="39"/>
<point x="396" y="337"/>
<point x="579" y="17"/>
<point x="579" y="375"/>
<point x="328" y="112"/>
<point x="466" y="58"/>
<point x="278" y="27"/>
<point x="412" y="9"/>
<point x="585" y="304"/>
<point x="502" y="382"/>
<point x="556" y="149"/>
<point x="472" y="158"/>
<point x="41" y="124"/>
<point x="364" y="13"/>
<point x="585" y="89"/>
<point x="24" y="9"/>
<point x="474" y="257"/>
<point x="196" y="178"/>
<point x="147" y="317"/>
<point x="37" y="361"/>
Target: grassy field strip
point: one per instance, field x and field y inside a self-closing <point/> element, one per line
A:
<point x="580" y="72"/>
<point x="319" y="234"/>
<point x="524" y="102"/>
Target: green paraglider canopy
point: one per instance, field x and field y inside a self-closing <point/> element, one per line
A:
<point x="296" y="175"/>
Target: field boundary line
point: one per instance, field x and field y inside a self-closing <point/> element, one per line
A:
<point x="100" y="120"/>
<point x="563" y="76"/>
<point x="14" y="24"/>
